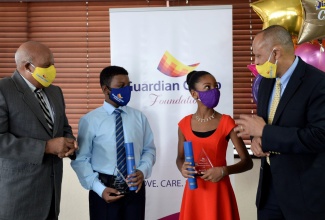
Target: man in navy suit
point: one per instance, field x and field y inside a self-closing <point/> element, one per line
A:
<point x="292" y="146"/>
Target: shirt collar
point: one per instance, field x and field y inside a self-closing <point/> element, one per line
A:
<point x="31" y="86"/>
<point x="286" y="76"/>
<point x="110" y="108"/>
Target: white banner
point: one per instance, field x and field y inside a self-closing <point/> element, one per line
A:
<point x="158" y="47"/>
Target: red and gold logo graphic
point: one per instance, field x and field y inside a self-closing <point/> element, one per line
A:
<point x="172" y="67"/>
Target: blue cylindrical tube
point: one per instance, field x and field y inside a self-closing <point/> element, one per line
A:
<point x="189" y="157"/>
<point x="130" y="162"/>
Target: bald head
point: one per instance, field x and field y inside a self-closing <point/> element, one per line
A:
<point x="274" y="44"/>
<point x="276" y="35"/>
<point x="33" y="52"/>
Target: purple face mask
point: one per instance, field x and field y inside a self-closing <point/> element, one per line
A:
<point x="210" y="98"/>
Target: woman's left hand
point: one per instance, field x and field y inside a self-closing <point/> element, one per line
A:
<point x="214" y="174"/>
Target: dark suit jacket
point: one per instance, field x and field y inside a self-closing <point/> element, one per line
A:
<point x="28" y="177"/>
<point x="298" y="133"/>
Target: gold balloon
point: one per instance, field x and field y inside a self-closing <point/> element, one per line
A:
<point x="313" y="26"/>
<point x="287" y="13"/>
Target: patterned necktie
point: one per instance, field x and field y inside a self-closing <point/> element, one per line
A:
<point x="275" y="100"/>
<point x="45" y="109"/>
<point x="274" y="105"/>
<point x="120" y="150"/>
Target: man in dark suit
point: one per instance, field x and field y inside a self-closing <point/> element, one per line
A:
<point x="32" y="142"/>
<point x="292" y="145"/>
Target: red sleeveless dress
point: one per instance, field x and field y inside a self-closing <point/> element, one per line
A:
<point x="210" y="201"/>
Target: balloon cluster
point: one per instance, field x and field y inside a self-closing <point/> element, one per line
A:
<point x="312" y="53"/>
<point x="256" y="85"/>
<point x="304" y="19"/>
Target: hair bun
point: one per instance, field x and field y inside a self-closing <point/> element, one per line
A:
<point x="190" y="76"/>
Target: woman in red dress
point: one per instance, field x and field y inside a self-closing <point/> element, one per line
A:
<point x="208" y="130"/>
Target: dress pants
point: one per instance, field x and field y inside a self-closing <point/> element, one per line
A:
<point x="130" y="207"/>
<point x="52" y="215"/>
<point x="270" y="209"/>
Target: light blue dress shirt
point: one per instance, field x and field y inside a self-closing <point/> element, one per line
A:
<point x="284" y="81"/>
<point x="97" y="144"/>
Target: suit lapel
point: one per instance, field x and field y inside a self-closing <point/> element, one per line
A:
<point x="264" y="95"/>
<point x="30" y="99"/>
<point x="293" y="84"/>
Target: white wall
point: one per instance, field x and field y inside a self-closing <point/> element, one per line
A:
<point x="74" y="201"/>
<point x="245" y="190"/>
<point x="74" y="198"/>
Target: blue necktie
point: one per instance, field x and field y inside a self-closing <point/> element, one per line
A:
<point x="120" y="150"/>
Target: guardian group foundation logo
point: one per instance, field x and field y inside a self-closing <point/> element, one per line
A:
<point x="118" y="97"/>
<point x="162" y="92"/>
<point x="172" y="67"/>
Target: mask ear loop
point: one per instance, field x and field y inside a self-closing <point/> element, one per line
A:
<point x="109" y="90"/>
<point x="32" y="66"/>
<point x="271" y="54"/>
<point x="193" y="91"/>
<point x="198" y="96"/>
<point x="104" y="88"/>
<point x="276" y="61"/>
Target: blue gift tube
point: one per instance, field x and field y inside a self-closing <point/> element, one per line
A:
<point x="190" y="158"/>
<point x="130" y="162"/>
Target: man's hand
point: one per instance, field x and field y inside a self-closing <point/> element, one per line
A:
<point x="111" y="195"/>
<point x="251" y="125"/>
<point x="256" y="147"/>
<point x="135" y="179"/>
<point x="61" y="146"/>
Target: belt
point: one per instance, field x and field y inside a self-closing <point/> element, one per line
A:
<point x="268" y="157"/>
<point x="114" y="182"/>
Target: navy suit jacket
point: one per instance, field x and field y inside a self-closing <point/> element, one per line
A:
<point x="298" y="133"/>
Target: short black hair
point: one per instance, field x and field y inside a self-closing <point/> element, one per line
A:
<point x="107" y="74"/>
<point x="194" y="77"/>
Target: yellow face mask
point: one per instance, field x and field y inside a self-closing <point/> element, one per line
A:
<point x="44" y="76"/>
<point x="267" y="69"/>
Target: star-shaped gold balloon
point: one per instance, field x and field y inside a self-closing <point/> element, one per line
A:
<point x="313" y="26"/>
<point x="287" y="13"/>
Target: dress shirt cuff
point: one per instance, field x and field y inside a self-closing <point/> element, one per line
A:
<point x="98" y="187"/>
